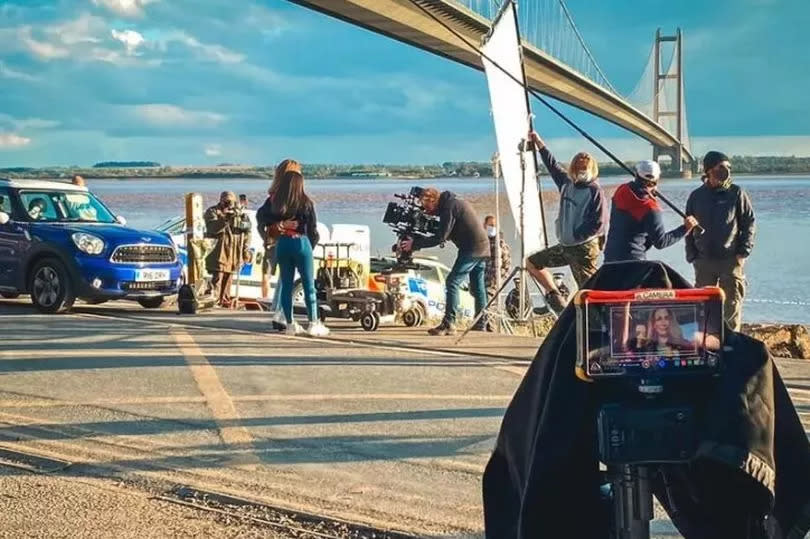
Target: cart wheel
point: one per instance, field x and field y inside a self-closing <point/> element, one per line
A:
<point x="370" y="321"/>
<point x="412" y="317"/>
<point x="421" y="316"/>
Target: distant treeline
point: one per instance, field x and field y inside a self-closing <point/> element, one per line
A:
<point x="151" y="169"/>
<point x="126" y="164"/>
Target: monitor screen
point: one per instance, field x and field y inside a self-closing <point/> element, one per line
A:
<point x="638" y="333"/>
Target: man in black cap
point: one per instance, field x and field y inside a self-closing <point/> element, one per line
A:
<point x="726" y="213"/>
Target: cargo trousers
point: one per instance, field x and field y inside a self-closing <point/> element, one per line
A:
<point x="728" y="275"/>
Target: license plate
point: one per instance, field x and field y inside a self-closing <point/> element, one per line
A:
<point x="147" y="275"/>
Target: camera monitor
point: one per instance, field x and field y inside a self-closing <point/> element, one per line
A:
<point x="648" y="332"/>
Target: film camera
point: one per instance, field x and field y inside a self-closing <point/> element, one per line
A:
<point x="652" y="356"/>
<point x="408" y="219"/>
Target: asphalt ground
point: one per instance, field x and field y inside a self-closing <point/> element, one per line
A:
<point x="390" y="429"/>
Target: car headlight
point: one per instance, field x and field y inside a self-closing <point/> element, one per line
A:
<point x="88" y="243"/>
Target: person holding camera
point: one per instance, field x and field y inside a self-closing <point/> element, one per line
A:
<point x="635" y="218"/>
<point x="719" y="254"/>
<point x="230" y="228"/>
<point x="580" y="223"/>
<point x="291" y="219"/>
<point x="459" y="224"/>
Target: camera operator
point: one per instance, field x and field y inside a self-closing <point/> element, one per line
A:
<point x="228" y="225"/>
<point x="459" y="224"/>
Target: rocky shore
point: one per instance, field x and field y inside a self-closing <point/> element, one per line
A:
<point x="783" y="340"/>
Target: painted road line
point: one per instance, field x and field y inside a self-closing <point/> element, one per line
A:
<point x="210" y="386"/>
<point x="307" y="397"/>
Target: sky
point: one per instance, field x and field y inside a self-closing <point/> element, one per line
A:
<point x="201" y="82"/>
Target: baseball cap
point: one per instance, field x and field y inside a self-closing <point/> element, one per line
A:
<point x="649" y="170"/>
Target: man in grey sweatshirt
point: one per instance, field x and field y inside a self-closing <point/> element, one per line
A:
<point x="580" y="225"/>
<point x="718" y="255"/>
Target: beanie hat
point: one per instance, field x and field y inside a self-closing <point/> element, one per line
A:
<point x="713" y="158"/>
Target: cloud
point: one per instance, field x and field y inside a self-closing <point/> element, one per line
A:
<point x="213" y="150"/>
<point x="9" y="73"/>
<point x="14" y="124"/>
<point x="205" y="51"/>
<point x="172" y="116"/>
<point x="12" y="141"/>
<point x="41" y="49"/>
<point x="124" y="8"/>
<point x="130" y="38"/>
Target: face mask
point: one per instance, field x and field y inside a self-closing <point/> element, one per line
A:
<point x="584" y="176"/>
<point x="492" y="231"/>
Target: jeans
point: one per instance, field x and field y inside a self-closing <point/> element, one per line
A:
<point x="296" y="254"/>
<point x="465" y="265"/>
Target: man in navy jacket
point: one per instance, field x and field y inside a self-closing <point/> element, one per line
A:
<point x="635" y="218"/>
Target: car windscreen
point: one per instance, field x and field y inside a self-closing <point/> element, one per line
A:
<point x="60" y="206"/>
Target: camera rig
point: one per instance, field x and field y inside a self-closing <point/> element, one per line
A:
<point x="652" y="355"/>
<point x="408" y="220"/>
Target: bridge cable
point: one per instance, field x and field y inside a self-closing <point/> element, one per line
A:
<point x="543" y="100"/>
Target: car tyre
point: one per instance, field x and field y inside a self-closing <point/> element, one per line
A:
<point x="152" y="303"/>
<point x="51" y="288"/>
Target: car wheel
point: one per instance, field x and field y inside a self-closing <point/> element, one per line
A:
<point x="10" y="295"/>
<point x="151" y="303"/>
<point x="412" y="317"/>
<point x="50" y="286"/>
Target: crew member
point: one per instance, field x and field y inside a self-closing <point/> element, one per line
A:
<point x="222" y="222"/>
<point x="580" y="223"/>
<point x="491" y="276"/>
<point x="459" y="224"/>
<point x="719" y="254"/>
<point x="635" y="218"/>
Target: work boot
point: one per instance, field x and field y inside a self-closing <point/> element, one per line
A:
<point x="555" y="301"/>
<point x="445" y="328"/>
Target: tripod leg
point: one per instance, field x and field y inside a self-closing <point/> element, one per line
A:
<point x="632" y="502"/>
<point x="492" y="300"/>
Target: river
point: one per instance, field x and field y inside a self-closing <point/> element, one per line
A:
<point x="778" y="271"/>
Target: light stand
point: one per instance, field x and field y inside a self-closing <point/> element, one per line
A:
<point x="521" y="272"/>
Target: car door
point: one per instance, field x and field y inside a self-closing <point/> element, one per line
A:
<point x="12" y="236"/>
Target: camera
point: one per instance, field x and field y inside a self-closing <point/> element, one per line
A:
<point x="652" y="355"/>
<point x="408" y="219"/>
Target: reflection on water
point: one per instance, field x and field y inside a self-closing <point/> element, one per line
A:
<point x="778" y="272"/>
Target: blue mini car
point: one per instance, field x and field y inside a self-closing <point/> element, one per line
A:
<point x="58" y="243"/>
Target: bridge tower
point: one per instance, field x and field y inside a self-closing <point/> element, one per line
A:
<point x="660" y="80"/>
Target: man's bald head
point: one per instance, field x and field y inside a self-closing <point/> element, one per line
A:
<point x="78" y="180"/>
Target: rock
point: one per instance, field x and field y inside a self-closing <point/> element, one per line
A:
<point x="783" y="340"/>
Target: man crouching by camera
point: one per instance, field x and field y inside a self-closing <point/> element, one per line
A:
<point x="228" y="225"/>
<point x="459" y="224"/>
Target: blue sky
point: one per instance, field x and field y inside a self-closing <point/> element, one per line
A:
<point x="253" y="81"/>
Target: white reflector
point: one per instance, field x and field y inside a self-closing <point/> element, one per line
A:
<point x="510" y="113"/>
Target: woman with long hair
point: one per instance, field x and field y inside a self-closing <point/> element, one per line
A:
<point x="292" y="218"/>
<point x="664" y="333"/>
<point x="269" y="261"/>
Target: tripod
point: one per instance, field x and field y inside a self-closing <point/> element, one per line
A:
<point x="525" y="312"/>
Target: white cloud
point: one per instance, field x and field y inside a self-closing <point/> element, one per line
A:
<point x="42" y="49"/>
<point x="216" y="53"/>
<point x="124" y="8"/>
<point x="14" y="124"/>
<point x="131" y="40"/>
<point x="213" y="150"/>
<point x="11" y="141"/>
<point x="172" y="116"/>
<point x="9" y="73"/>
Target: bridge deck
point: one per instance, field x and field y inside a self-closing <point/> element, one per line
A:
<point x="401" y="20"/>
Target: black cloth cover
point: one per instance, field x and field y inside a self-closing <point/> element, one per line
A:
<point x="751" y="476"/>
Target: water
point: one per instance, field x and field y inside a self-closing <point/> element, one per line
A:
<point x="778" y="271"/>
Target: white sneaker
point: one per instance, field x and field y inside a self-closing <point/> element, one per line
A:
<point x="317" y="329"/>
<point x="294" y="329"/>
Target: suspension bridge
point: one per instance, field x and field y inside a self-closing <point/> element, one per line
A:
<point x="558" y="62"/>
